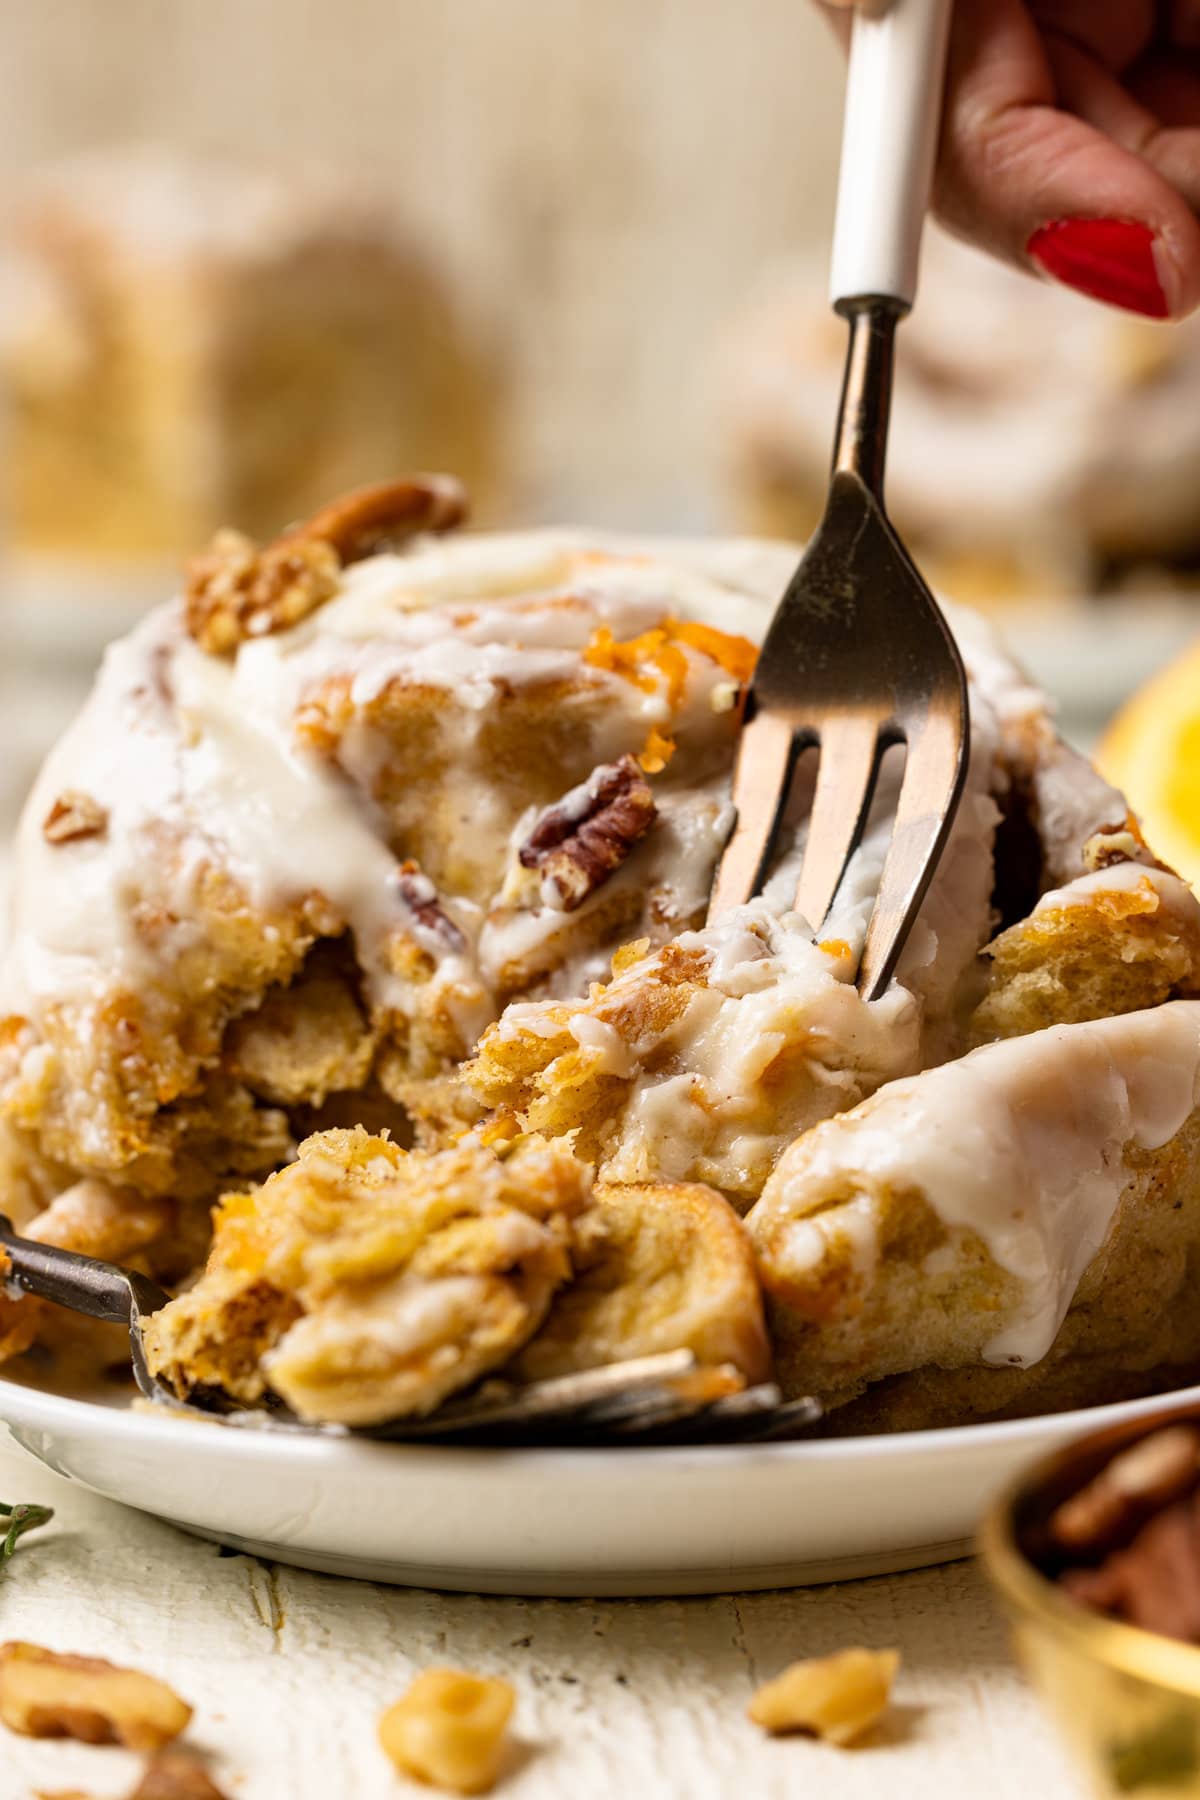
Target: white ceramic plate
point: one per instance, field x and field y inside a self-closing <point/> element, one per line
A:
<point x="600" y="1522"/>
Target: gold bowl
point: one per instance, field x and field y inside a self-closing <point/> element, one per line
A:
<point x="1128" y="1700"/>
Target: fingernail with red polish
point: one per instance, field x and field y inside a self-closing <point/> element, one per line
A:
<point x="1110" y="259"/>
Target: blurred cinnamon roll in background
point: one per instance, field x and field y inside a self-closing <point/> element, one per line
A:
<point x="190" y="342"/>
<point x="1042" y="445"/>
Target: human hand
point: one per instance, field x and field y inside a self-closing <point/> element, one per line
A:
<point x="1071" y="141"/>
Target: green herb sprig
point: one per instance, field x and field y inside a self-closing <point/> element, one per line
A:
<point x="20" y="1520"/>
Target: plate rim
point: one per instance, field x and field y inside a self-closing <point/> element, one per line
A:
<point x="44" y="1410"/>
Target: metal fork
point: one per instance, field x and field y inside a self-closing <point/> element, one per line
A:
<point x="669" y="1398"/>
<point x="858" y="657"/>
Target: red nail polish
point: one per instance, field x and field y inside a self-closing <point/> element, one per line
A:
<point x="1110" y="259"/>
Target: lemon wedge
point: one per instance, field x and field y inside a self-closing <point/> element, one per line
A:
<point x="1151" y="751"/>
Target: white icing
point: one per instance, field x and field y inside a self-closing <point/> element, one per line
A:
<point x="1021" y="1142"/>
<point x="407" y="1317"/>
<point x="593" y="1034"/>
<point x="1124" y="878"/>
<point x="768" y="990"/>
<point x="1072" y="802"/>
<point x="196" y="760"/>
<point x="197" y="763"/>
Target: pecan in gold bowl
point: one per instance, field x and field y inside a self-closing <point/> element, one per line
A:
<point x="1095" y="1554"/>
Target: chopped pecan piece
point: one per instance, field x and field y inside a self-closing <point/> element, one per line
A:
<point x="576" y="844"/>
<point x="1111" y="844"/>
<point x="449" y="1729"/>
<point x="176" y="1776"/>
<point x="833" y="1697"/>
<point x="235" y="591"/>
<point x="46" y="1694"/>
<point x="74" y="815"/>
<point x="433" y="927"/>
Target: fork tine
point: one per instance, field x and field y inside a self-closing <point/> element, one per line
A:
<point x="850" y="754"/>
<point x="934" y="770"/>
<point x="766" y="758"/>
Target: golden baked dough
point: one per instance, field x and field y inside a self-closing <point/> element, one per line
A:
<point x="1117" y="943"/>
<point x="364" y="1282"/>
<point x="435" y="844"/>
<point x="701" y="1061"/>
<point x="317" y="860"/>
<point x="666" y="1267"/>
<point x="1013" y="1231"/>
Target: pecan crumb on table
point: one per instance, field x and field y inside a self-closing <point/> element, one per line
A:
<point x="837" y="1697"/>
<point x="46" y="1693"/>
<point x="449" y="1729"/>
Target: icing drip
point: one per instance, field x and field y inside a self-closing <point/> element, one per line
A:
<point x="1021" y="1142"/>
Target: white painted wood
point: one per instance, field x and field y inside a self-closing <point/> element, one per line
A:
<point x="288" y="1672"/>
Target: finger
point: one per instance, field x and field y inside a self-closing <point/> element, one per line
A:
<point x="1013" y="166"/>
<point x="1167" y="83"/>
<point x="1089" y="91"/>
<point x="1183" y="23"/>
<point x="1115" y="35"/>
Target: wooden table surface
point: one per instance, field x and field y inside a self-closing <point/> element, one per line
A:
<point x="288" y="1672"/>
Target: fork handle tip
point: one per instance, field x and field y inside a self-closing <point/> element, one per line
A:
<point x="889" y="136"/>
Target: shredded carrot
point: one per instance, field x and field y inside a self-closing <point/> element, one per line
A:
<point x="837" y="947"/>
<point x="656" y="655"/>
<point x="657" y="752"/>
<point x="604" y="651"/>
<point x="628" y="954"/>
<point x="500" y="1129"/>
<point x="735" y="654"/>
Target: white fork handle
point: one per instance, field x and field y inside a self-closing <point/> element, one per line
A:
<point x="893" y="110"/>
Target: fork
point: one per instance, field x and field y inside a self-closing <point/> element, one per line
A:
<point x="667" y="1398"/>
<point x="858" y="657"/>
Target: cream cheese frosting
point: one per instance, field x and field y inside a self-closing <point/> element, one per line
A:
<point x="1021" y="1143"/>
<point x="197" y="762"/>
<point x="175" y="744"/>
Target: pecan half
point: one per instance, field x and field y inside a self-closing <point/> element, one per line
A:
<point x="1137" y="1482"/>
<point x="576" y="844"/>
<point x="47" y="1694"/>
<point x="235" y="591"/>
<point x="375" y="518"/>
<point x="1155" y="1582"/>
<point x="433" y="927"/>
<point x="74" y="815"/>
<point x="174" y="1775"/>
